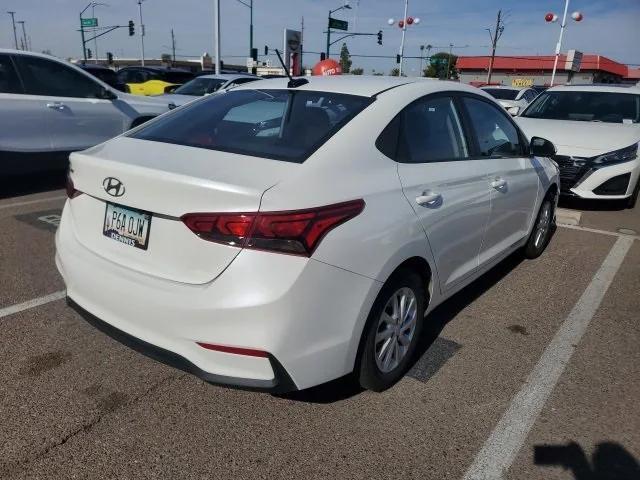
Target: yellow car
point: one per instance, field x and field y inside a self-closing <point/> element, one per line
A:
<point x="152" y="80"/>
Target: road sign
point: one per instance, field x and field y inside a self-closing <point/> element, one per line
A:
<point x="338" y="24"/>
<point x="89" y="22"/>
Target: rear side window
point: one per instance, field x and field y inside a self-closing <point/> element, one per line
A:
<point x="431" y="132"/>
<point x="9" y="81"/>
<point x="51" y="78"/>
<point x="176" y="77"/>
<point x="496" y="135"/>
<point x="502" y="93"/>
<point x="284" y="125"/>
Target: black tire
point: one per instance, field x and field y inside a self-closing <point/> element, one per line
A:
<point x="538" y="241"/>
<point x="631" y="202"/>
<point x="367" y="371"/>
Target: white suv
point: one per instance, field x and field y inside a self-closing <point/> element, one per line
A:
<point x="596" y="130"/>
<point x="49" y="108"/>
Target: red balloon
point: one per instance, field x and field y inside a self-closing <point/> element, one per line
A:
<point x="327" y="67"/>
<point x="549" y="17"/>
<point x="401" y="23"/>
<point x="409" y="20"/>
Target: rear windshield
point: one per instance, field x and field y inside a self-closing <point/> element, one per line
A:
<point x="608" y="107"/>
<point x="502" y="93"/>
<point x="284" y="125"/>
<point x="200" y="86"/>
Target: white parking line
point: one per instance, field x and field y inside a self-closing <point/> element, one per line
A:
<point x="31" y="202"/>
<point x="502" y="446"/>
<point x="603" y="232"/>
<point x="36" y="302"/>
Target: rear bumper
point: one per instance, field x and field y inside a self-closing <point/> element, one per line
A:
<point x="307" y="315"/>
<point x="279" y="384"/>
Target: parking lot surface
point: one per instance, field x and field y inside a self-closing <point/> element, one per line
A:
<point x="537" y="360"/>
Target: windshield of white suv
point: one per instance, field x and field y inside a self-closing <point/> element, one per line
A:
<point x="608" y="107"/>
<point x="200" y="86"/>
<point x="502" y="93"/>
<point x="284" y="125"/>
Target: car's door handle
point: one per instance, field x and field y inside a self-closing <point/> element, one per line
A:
<point x="428" y="198"/>
<point x="56" y="105"/>
<point x="498" y="183"/>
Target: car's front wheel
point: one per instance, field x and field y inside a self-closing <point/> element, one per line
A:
<point x="542" y="230"/>
<point x="392" y="331"/>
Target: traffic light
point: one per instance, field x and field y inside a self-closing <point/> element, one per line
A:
<point x="89" y="54"/>
<point x="110" y="58"/>
<point x="266" y="50"/>
<point x="132" y="28"/>
<point x="254" y="54"/>
<point x="398" y="58"/>
<point x="323" y="56"/>
<point x="380" y="37"/>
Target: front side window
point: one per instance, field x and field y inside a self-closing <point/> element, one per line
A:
<point x="284" y="125"/>
<point x="47" y="77"/>
<point x="200" y="86"/>
<point x="430" y="131"/>
<point x="608" y="107"/>
<point x="496" y="135"/>
<point x="9" y="81"/>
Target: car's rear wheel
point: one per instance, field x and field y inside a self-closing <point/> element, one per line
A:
<point x="542" y="230"/>
<point x="392" y="331"/>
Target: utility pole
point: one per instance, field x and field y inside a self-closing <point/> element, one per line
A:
<point x="301" y="44"/>
<point x="13" y="22"/>
<point x="84" y="50"/>
<point x="25" y="45"/>
<point x="559" y="44"/>
<point x="404" y="31"/>
<point x="216" y="34"/>
<point x="495" y="36"/>
<point x="173" y="46"/>
<point x="449" y="61"/>
<point x="141" y="33"/>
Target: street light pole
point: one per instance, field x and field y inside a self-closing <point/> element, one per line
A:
<point x="25" y="45"/>
<point x="84" y="50"/>
<point x="249" y="5"/>
<point x="559" y="44"/>
<point x="216" y="34"/>
<point x="404" y="31"/>
<point x="13" y="22"/>
<point x="141" y="33"/>
<point x="345" y="6"/>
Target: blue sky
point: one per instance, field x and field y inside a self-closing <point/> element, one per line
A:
<point x="610" y="27"/>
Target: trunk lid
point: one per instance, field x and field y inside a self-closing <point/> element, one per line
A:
<point x="167" y="181"/>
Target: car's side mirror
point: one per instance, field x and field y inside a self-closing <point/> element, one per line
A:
<point x="541" y="147"/>
<point x="106" y="94"/>
<point x="513" y="111"/>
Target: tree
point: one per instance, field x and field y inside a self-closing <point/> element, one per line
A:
<point x="357" y="71"/>
<point x="438" y="66"/>
<point x="345" y="60"/>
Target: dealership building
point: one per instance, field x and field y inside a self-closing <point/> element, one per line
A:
<point x="536" y="70"/>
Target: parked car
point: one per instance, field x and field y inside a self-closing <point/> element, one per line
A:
<point x="49" y="107"/>
<point x="596" y="130"/>
<point x="275" y="238"/>
<point x="205" y="85"/>
<point x="152" y="80"/>
<point x="513" y="99"/>
<point x="539" y="88"/>
<point x="105" y="74"/>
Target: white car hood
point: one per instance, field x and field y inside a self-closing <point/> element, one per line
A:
<point x="581" y="139"/>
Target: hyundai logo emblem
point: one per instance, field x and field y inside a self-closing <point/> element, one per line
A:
<point x="113" y="186"/>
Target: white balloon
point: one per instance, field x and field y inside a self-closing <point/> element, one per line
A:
<point x="391" y="21"/>
<point x="416" y="20"/>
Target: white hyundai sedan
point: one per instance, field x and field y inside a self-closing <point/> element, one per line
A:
<point x="597" y="132"/>
<point x="279" y="236"/>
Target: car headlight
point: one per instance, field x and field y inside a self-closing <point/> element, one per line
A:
<point x="618" y="156"/>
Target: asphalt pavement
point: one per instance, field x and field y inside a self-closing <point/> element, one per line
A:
<point x="529" y="373"/>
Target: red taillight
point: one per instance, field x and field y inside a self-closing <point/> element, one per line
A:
<point x="295" y="232"/>
<point x="249" y="352"/>
<point x="71" y="189"/>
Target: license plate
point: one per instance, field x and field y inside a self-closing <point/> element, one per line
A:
<point x="127" y="225"/>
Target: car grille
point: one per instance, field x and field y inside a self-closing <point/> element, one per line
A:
<point x="572" y="169"/>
